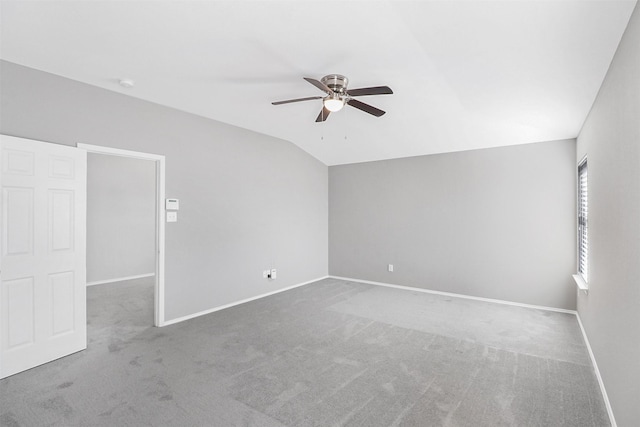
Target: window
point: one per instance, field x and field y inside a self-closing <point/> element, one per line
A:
<point x="583" y="222"/>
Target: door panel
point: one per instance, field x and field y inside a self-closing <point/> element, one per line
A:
<point x="61" y="207"/>
<point x="43" y="277"/>
<point x="62" y="290"/>
<point x="61" y="167"/>
<point x="18" y="298"/>
<point x="18" y="204"/>
<point x="18" y="162"/>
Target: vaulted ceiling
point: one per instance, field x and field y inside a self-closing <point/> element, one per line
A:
<point x="465" y="74"/>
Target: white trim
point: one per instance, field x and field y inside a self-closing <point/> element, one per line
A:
<point x="222" y="307"/>
<point x="160" y="241"/>
<point x="560" y="310"/>
<point x="607" y="404"/>
<point x="605" y="397"/>
<point x="119" y="152"/>
<point x="582" y="285"/>
<point x="160" y="217"/>
<point x="119" y="279"/>
<point x="450" y="294"/>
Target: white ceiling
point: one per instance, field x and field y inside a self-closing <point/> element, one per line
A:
<point x="465" y="74"/>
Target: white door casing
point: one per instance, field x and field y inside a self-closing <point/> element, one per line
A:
<point x="43" y="253"/>
<point x="160" y="216"/>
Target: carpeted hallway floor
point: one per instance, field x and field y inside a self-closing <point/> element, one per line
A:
<point x="331" y="353"/>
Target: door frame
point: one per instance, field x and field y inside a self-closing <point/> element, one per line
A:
<point x="159" y="319"/>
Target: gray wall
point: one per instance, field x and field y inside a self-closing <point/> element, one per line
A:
<point x="495" y="223"/>
<point x="248" y="202"/>
<point x="121" y="217"/>
<point x="610" y="312"/>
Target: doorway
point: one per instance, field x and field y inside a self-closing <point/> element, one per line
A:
<point x="158" y="250"/>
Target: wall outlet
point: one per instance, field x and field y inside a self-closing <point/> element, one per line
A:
<point x="390" y="268"/>
<point x="265" y="274"/>
<point x="273" y="274"/>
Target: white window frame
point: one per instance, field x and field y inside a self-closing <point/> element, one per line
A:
<point x="582" y="219"/>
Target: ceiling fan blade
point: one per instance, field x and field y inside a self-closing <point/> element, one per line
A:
<point x="365" y="107"/>
<point x="377" y="90"/>
<point x="319" y="85"/>
<point x="323" y="115"/>
<point x="296" y="100"/>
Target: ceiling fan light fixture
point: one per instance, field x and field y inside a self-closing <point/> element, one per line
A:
<point x="333" y="104"/>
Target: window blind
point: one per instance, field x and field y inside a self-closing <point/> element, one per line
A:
<point x="583" y="222"/>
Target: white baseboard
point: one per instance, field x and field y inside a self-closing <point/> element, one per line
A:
<point x="428" y="291"/>
<point x="454" y="295"/>
<point x="607" y="404"/>
<point x="222" y="307"/>
<point x="561" y="310"/>
<point x="120" y="279"/>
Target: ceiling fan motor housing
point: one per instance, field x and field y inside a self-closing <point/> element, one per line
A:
<point x="336" y="83"/>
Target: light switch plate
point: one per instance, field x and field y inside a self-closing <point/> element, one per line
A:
<point x="172" y="204"/>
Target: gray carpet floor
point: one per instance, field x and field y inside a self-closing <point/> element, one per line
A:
<point x="332" y="353"/>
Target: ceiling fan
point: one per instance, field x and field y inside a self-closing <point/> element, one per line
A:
<point x="337" y="94"/>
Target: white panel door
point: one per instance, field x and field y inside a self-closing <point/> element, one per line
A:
<point x="43" y="244"/>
